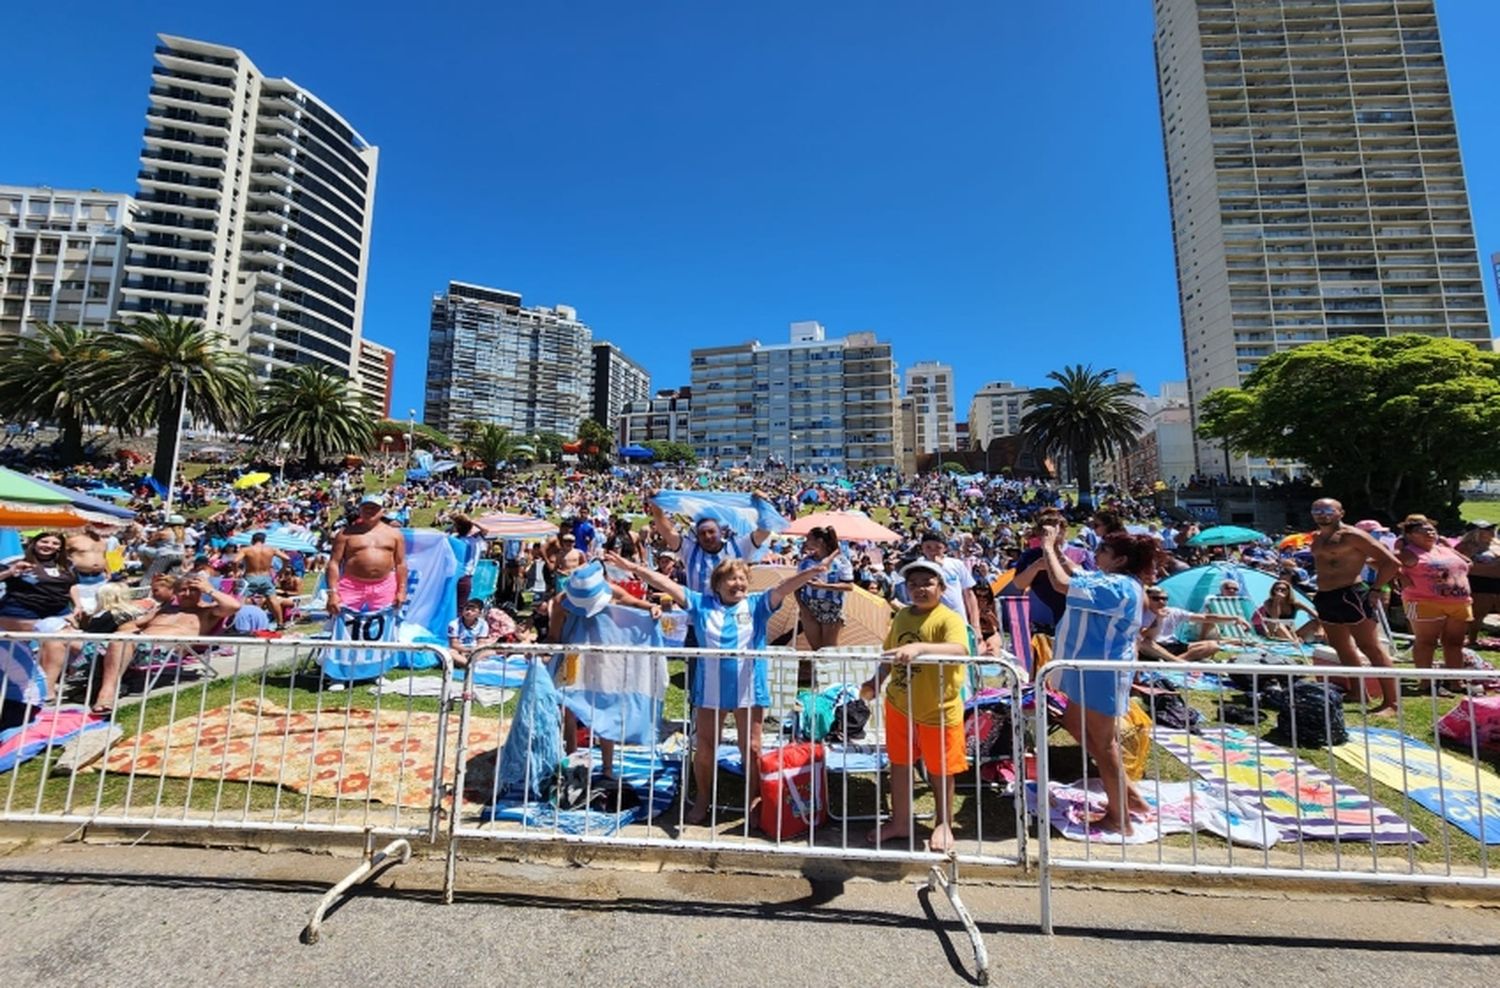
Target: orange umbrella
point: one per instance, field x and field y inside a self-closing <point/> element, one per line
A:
<point x="866" y="616"/>
<point x="851" y="526"/>
<point x="1300" y="540"/>
<point x="28" y="516"/>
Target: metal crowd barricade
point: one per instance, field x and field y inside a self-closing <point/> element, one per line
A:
<point x="1379" y="808"/>
<point x="642" y="793"/>
<point x="228" y="735"/>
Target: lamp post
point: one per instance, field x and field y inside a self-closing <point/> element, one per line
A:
<point x="285" y="448"/>
<point x="411" y="433"/>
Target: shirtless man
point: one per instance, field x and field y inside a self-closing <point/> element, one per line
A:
<point x="85" y="550"/>
<point x="367" y="567"/>
<point x="1342" y="601"/>
<point x="256" y="562"/>
<point x="181" y="607"/>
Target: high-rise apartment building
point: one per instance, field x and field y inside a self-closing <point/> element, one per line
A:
<point x="930" y="386"/>
<point x="377" y="375"/>
<point x="616" y="381"/>
<point x="256" y="202"/>
<point x="809" y="403"/>
<point x="995" y="411"/>
<point x="666" y="417"/>
<point x="1315" y="181"/>
<point x="62" y="258"/>
<point x="490" y="359"/>
<point x="1495" y="264"/>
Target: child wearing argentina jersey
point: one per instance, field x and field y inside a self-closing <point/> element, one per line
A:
<point x="731" y="618"/>
<point x="1102" y="621"/>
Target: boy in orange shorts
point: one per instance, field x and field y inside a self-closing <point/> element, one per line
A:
<point x="924" y="713"/>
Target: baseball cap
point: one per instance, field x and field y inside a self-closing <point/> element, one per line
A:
<point x="922" y="565"/>
<point x="1480" y="523"/>
<point x="932" y="536"/>
<point x="374" y="499"/>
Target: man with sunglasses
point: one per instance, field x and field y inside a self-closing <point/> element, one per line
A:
<point x="1343" y="600"/>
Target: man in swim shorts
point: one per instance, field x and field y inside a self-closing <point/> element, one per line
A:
<point x="1343" y="600"/>
<point x="367" y="567"/>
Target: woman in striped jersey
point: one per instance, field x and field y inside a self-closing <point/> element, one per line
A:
<point x="1102" y="621"/>
<point x="731" y="618"/>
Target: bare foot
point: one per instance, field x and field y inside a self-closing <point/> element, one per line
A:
<point x="941" y="840"/>
<point x="887" y="832"/>
<point x="1136" y="803"/>
<point x="696" y="815"/>
<point x="1382" y="711"/>
<point x="1112" y="820"/>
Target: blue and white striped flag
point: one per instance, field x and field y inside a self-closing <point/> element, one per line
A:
<point x="618" y="696"/>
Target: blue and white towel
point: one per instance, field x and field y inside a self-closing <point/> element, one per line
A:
<point x="743" y="513"/>
<point x="349" y="663"/>
<point x="618" y="696"/>
<point x="653" y="778"/>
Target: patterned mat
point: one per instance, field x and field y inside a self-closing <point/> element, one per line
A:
<point x="1464" y="794"/>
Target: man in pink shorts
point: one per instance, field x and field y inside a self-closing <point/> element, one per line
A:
<point x="367" y="567"/>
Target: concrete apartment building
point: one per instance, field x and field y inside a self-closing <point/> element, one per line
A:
<point x="491" y="359"/>
<point x="929" y="385"/>
<point x="995" y="411"/>
<point x="811" y="403"/>
<point x="62" y="254"/>
<point x="1315" y="182"/>
<point x="1165" y="449"/>
<point x="666" y="417"/>
<point x="377" y="375"/>
<point x="616" y="381"/>
<point x="256" y="202"/>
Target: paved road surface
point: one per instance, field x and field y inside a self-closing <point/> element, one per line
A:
<point x="102" y="916"/>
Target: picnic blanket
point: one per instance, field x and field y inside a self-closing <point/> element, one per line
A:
<point x="350" y="754"/>
<point x="1177" y="808"/>
<point x="650" y="779"/>
<point x="51" y="727"/>
<point x="1295" y="795"/>
<point x="1455" y="789"/>
<point x="432" y="686"/>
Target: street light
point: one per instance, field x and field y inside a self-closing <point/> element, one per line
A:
<point x="285" y="448"/>
<point x="411" y="432"/>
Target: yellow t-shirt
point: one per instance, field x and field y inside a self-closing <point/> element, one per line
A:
<point x="936" y="691"/>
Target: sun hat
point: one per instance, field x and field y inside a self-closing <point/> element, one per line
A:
<point x="925" y="565"/>
<point x="587" y="590"/>
<point x="375" y="499"/>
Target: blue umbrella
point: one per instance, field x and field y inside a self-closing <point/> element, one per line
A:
<point x="1227" y="535"/>
<point x="1191" y="589"/>
<point x="85" y="501"/>
<point x="278" y="540"/>
<point x="113" y="493"/>
<point x="634" y="451"/>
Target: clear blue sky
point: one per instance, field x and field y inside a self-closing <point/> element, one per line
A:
<point x="978" y="182"/>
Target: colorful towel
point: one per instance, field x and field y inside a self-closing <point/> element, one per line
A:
<point x="1294" y="794"/>
<point x="353" y="755"/>
<point x="651" y="782"/>
<point x="1177" y="808"/>
<point x="1457" y="790"/>
<point x="52" y="727"/>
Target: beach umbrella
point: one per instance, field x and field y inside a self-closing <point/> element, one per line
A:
<point x="504" y="526"/>
<point x="285" y="541"/>
<point x="1189" y="590"/>
<point x="249" y="480"/>
<point x="634" y="451"/>
<point x="851" y="526"/>
<point x="92" y="501"/>
<point x="27" y="503"/>
<point x="973" y="492"/>
<point x="867" y="617"/>
<point x="1299" y="540"/>
<point x="113" y="493"/>
<point x="1227" y="535"/>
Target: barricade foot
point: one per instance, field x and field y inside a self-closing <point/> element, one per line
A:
<point x="372" y="863"/>
<point x="937" y="878"/>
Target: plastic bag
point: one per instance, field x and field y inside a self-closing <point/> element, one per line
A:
<point x="1135" y="740"/>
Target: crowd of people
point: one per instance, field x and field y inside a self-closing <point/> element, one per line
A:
<point x="1092" y="575"/>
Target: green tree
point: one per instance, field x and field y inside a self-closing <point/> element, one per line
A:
<point x="319" y="413"/>
<point x="1087" y="413"/>
<point x="1388" y="424"/>
<point x="157" y="368"/>
<point x="671" y="451"/>
<point x="45" y="376"/>
<point x="549" y="446"/>
<point x="426" y="436"/>
<point x="490" y="444"/>
<point x="598" y="443"/>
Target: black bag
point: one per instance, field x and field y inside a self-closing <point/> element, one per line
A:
<point x="987" y="732"/>
<point x="1311" y="716"/>
<point x="849" y="720"/>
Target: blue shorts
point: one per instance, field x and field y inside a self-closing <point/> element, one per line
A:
<point x="1098" y="690"/>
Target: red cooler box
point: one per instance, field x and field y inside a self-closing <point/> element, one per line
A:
<point x="793" y="789"/>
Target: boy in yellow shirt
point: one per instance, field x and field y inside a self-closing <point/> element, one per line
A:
<point x="924" y="712"/>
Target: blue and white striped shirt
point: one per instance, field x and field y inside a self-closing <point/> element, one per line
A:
<point x="1102" y="619"/>
<point x="729" y="683"/>
<point x="698" y="566"/>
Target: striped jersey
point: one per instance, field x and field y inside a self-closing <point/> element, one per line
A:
<point x="1102" y="619"/>
<point x="730" y="683"/>
<point x="698" y="565"/>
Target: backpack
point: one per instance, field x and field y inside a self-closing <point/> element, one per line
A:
<point x="1310" y="715"/>
<point x="987" y="733"/>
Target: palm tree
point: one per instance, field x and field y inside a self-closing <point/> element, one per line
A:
<point x="45" y="376"/>
<point x="316" y="411"/>
<point x="1086" y="413"/>
<point x="159" y="368"/>
<point x="488" y="443"/>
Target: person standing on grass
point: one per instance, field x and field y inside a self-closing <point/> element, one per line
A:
<point x="1434" y="593"/>
<point x="1102" y="621"/>
<point x="1343" y="600"/>
<point x="924" y="714"/>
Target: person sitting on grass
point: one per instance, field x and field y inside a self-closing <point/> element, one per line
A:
<point x="924" y="714"/>
<point x="467" y="632"/>
<point x="1162" y="627"/>
<point x="732" y="618"/>
<point x="1102" y="621"/>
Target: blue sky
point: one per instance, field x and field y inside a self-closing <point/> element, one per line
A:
<point x="978" y="182"/>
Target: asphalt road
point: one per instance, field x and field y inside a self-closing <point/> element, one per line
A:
<point x="111" y="915"/>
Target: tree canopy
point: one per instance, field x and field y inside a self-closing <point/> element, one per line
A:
<point x="670" y="451"/>
<point x="1388" y="424"/>
<point x="1087" y="413"/>
<point x="315" y="411"/>
<point x="45" y="376"/>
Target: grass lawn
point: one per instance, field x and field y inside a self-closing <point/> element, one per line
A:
<point x="1475" y="509"/>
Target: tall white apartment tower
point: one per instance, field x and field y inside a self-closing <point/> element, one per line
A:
<point x="1315" y="182"/>
<point x="930" y="387"/>
<point x="256" y="199"/>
